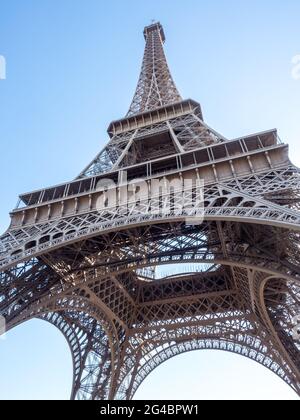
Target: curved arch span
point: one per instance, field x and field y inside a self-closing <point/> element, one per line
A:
<point x="245" y="350"/>
<point x="213" y="375"/>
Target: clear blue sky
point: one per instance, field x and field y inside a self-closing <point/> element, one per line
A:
<point x="72" y="67"/>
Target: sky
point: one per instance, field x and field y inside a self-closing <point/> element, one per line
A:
<point x="72" y="68"/>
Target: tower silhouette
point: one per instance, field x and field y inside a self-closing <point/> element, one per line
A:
<point x="85" y="255"/>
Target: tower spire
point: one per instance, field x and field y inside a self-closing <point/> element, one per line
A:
<point x="155" y="87"/>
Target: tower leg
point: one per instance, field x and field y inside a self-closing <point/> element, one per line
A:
<point x="91" y="353"/>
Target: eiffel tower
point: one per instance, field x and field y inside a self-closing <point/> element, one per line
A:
<point x="96" y="272"/>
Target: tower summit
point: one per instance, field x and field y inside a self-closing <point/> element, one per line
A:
<point x="80" y="256"/>
<point x="156" y="87"/>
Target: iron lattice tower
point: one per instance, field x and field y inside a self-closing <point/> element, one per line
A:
<point x="88" y="271"/>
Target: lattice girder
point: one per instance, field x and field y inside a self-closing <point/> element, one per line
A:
<point x="222" y="202"/>
<point x="89" y="269"/>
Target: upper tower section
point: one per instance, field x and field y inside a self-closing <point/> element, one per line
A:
<point x="155" y="87"/>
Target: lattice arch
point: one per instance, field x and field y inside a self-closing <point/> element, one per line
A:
<point x="249" y="349"/>
<point x="90" y="350"/>
<point x="93" y="340"/>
